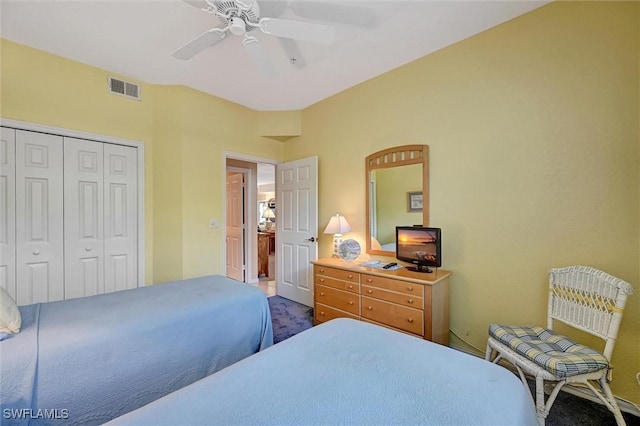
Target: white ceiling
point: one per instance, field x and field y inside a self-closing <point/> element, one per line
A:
<point x="136" y="38"/>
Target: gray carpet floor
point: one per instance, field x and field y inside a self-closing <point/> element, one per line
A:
<point x="290" y="318"/>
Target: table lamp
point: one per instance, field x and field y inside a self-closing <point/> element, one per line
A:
<point x="270" y="216"/>
<point x="337" y="226"/>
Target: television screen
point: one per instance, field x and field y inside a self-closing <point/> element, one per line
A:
<point x="420" y="246"/>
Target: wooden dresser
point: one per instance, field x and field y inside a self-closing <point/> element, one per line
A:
<point x="411" y="302"/>
<point x="263" y="254"/>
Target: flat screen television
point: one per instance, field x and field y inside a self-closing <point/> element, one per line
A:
<point x="420" y="246"/>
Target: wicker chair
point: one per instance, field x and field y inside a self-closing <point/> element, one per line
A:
<point x="582" y="297"/>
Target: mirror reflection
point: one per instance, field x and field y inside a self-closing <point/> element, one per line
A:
<point x="396" y="196"/>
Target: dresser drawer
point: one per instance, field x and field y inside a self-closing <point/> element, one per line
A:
<point x="394" y="315"/>
<point x="409" y="300"/>
<point x="353" y="287"/>
<point x="338" y="299"/>
<point x="393" y="285"/>
<point x="324" y="313"/>
<point x="340" y="274"/>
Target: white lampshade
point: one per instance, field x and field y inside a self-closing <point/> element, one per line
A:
<point x="268" y="214"/>
<point x="337" y="225"/>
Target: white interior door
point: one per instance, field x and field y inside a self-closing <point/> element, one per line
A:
<point x="120" y="217"/>
<point x="83" y="218"/>
<point x="235" y="226"/>
<point x="39" y="207"/>
<point x="8" y="210"/>
<point x="296" y="228"/>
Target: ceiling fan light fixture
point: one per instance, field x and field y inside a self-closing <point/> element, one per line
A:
<point x="237" y="26"/>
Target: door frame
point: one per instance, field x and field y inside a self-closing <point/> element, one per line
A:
<point x="34" y="127"/>
<point x="251" y="196"/>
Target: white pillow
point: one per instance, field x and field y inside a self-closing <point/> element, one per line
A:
<point x="10" y="319"/>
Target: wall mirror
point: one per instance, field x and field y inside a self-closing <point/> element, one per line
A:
<point x="397" y="191"/>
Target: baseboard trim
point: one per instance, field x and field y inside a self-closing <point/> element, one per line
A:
<point x="626" y="406"/>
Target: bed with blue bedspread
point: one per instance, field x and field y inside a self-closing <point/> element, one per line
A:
<point x="348" y="372"/>
<point x="89" y="360"/>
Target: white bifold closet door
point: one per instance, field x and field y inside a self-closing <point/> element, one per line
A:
<point x="68" y="216"/>
<point x="39" y="217"/>
<point x="100" y="215"/>
<point x="8" y="210"/>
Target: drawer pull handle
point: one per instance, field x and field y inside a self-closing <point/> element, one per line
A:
<point x="351" y="303"/>
<point x="350" y="276"/>
<point x="321" y="270"/>
<point x="369" y="280"/>
<point x="36" y="252"/>
<point x="322" y="293"/>
<point x="350" y="287"/>
<point x="321" y="313"/>
<point x="410" y="300"/>
<point x="370" y="291"/>
<point x="410" y="288"/>
<point x="370" y="308"/>
<point x="321" y="280"/>
<point x="410" y="320"/>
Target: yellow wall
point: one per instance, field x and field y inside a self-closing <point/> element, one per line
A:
<point x="185" y="134"/>
<point x="167" y="197"/>
<point x="211" y="126"/>
<point x="533" y="134"/>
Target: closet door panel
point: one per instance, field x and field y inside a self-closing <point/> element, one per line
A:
<point x="121" y="217"/>
<point x="83" y="218"/>
<point x="8" y="210"/>
<point x="39" y="209"/>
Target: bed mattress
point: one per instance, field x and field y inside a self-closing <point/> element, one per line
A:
<point x="348" y="372"/>
<point x="88" y="360"/>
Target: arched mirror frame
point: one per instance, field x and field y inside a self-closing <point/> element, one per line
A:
<point x="396" y="157"/>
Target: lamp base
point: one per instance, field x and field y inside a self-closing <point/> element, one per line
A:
<point x="337" y="240"/>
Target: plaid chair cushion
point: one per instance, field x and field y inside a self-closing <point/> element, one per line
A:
<point x="557" y="354"/>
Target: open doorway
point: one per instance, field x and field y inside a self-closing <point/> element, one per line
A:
<point x="267" y="216"/>
<point x="251" y="251"/>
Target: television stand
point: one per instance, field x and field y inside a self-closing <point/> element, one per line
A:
<point x="418" y="268"/>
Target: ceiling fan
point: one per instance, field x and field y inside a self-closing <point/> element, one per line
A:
<point x="240" y="18"/>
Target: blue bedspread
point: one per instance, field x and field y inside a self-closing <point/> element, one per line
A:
<point x="348" y="372"/>
<point x="88" y="360"/>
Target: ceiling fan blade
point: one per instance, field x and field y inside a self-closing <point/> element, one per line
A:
<point x="200" y="4"/>
<point x="333" y="12"/>
<point x="197" y="45"/>
<point x="272" y="8"/>
<point x="293" y="53"/>
<point x="259" y="57"/>
<point x="304" y="31"/>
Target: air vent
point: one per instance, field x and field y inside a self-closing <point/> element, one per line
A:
<point x="124" y="88"/>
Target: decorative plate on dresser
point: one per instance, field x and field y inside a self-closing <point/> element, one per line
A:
<point x="349" y="250"/>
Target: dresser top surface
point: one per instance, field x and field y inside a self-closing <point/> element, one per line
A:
<point x="400" y="274"/>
